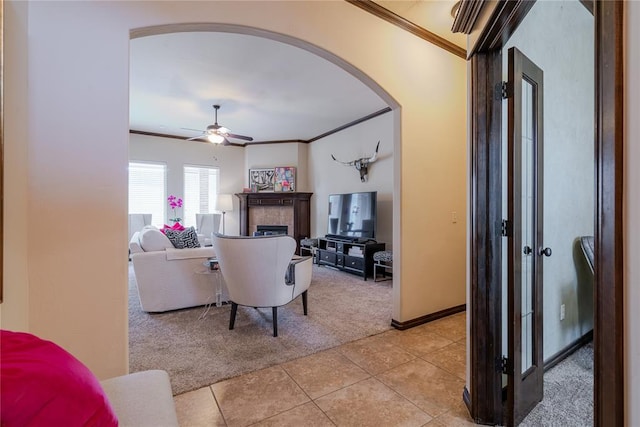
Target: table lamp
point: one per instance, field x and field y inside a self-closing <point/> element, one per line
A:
<point x="224" y="204"/>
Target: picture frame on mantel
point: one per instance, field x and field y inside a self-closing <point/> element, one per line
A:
<point x="262" y="180"/>
<point x="285" y="179"/>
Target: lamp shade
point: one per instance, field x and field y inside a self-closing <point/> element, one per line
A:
<point x="224" y="203"/>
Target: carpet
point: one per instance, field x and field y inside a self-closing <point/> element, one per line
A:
<point x="568" y="393"/>
<point x="199" y="350"/>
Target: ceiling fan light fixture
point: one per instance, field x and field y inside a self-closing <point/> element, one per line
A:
<point x="215" y="138"/>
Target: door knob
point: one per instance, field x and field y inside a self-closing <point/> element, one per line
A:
<point x="527" y="250"/>
<point x="545" y="251"/>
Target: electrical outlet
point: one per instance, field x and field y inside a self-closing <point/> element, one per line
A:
<point x="454" y="217"/>
<point x="562" y="311"/>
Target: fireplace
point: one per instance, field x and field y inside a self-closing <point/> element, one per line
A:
<point x="290" y="209"/>
<point x="268" y="230"/>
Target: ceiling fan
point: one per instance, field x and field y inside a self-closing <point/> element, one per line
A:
<point x="217" y="134"/>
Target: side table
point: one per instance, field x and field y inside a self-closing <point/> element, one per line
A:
<point x="213" y="269"/>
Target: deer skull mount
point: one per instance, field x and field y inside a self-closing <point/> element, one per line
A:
<point x="362" y="164"/>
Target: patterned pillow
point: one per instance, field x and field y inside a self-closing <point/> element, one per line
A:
<point x="187" y="238"/>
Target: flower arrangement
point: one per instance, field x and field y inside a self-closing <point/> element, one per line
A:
<point x="174" y="203"/>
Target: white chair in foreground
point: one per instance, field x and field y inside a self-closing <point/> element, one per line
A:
<point x="206" y="225"/>
<point x="259" y="272"/>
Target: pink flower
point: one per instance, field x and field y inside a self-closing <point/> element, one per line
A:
<point x="174" y="203"/>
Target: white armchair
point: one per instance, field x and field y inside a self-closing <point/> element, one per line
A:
<point x="259" y="272"/>
<point x="206" y="225"/>
<point x="137" y="222"/>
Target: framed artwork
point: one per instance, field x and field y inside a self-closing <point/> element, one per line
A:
<point x="285" y="179"/>
<point x="261" y="179"/>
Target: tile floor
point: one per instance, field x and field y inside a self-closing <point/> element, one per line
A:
<point x="397" y="378"/>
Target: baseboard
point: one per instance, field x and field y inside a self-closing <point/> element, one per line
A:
<point x="428" y="318"/>
<point x="466" y="398"/>
<point x="568" y="350"/>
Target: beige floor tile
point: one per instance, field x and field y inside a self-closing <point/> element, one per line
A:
<point x="198" y="408"/>
<point x="453" y="327"/>
<point x="324" y="372"/>
<point x="308" y="415"/>
<point x="370" y="403"/>
<point x="256" y="396"/>
<point x="458" y="417"/>
<point x="416" y="341"/>
<point x="451" y="358"/>
<point x="432" y="389"/>
<point x="375" y="354"/>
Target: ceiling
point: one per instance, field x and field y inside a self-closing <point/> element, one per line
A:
<point x="266" y="89"/>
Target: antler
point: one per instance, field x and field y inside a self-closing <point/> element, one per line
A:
<point x="362" y="163"/>
<point x="351" y="163"/>
<point x="375" y="155"/>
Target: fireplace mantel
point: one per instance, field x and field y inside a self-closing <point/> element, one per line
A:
<point x="299" y="202"/>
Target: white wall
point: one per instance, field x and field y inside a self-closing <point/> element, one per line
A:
<point x="557" y="37"/>
<point x="328" y="177"/>
<point x="75" y="128"/>
<point x="282" y="154"/>
<point x="176" y="154"/>
<point x="632" y="216"/>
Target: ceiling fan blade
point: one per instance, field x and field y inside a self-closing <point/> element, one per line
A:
<point x="195" y="130"/>
<point x="234" y="144"/>
<point x="235" y="136"/>
<point x="196" y="137"/>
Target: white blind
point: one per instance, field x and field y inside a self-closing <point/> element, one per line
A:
<point x="147" y="192"/>
<point x="200" y="189"/>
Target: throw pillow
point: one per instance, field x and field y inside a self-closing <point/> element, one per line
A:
<point x="152" y="239"/>
<point x="177" y="226"/>
<point x="44" y="385"/>
<point x="187" y="238"/>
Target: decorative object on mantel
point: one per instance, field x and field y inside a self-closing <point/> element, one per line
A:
<point x="224" y="204"/>
<point x="174" y="203"/>
<point x="262" y="179"/>
<point x="285" y="178"/>
<point x="362" y="164"/>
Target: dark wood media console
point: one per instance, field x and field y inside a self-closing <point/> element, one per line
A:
<point x="353" y="257"/>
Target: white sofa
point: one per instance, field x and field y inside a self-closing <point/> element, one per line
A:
<point x="170" y="278"/>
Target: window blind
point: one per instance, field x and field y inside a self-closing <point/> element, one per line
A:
<point x="147" y="190"/>
<point x="200" y="189"/>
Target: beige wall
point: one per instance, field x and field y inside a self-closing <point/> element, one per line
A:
<point x="632" y="215"/>
<point x="15" y="315"/>
<point x="75" y="128"/>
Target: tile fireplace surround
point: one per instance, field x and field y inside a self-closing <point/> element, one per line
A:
<point x="290" y="209"/>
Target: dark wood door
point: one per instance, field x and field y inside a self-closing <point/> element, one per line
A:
<point x="525" y="364"/>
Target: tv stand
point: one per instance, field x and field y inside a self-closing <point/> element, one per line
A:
<point x="347" y="254"/>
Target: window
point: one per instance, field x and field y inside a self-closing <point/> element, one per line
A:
<point x="200" y="189"/>
<point x="147" y="190"/>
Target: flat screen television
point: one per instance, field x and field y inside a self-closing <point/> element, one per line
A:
<point x="352" y="216"/>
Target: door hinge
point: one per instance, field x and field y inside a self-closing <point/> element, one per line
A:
<point x="505" y="90"/>
<point x="505" y="229"/>
<point x="502" y="365"/>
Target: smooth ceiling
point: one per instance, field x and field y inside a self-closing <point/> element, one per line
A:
<point x="267" y="89"/>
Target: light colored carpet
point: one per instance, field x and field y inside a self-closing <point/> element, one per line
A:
<point x="568" y="393"/>
<point x="198" y="352"/>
